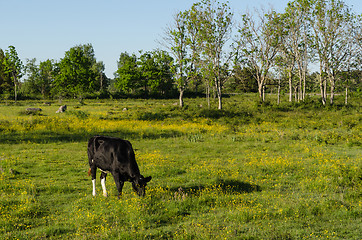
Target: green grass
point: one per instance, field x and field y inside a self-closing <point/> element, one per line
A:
<point x="250" y="171"/>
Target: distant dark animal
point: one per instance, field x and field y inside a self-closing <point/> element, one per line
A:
<point x="115" y="156"/>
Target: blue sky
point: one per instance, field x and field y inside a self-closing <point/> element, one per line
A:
<point x="46" y="29"/>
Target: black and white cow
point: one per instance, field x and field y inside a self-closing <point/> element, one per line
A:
<point x="115" y="156"/>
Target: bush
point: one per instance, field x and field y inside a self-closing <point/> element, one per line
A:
<point x="78" y="113"/>
<point x="28" y="112"/>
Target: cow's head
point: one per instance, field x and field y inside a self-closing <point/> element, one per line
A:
<point x="139" y="185"/>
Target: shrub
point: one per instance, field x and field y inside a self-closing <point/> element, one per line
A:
<point x="78" y="113"/>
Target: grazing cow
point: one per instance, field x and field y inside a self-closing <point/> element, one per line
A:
<point x="115" y="156"/>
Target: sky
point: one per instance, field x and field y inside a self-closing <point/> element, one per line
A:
<point x="46" y="29"/>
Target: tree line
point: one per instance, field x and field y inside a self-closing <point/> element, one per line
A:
<point x="269" y="50"/>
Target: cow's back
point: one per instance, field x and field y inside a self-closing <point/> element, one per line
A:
<point x="113" y="149"/>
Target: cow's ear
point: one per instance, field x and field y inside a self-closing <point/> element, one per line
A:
<point x="147" y="179"/>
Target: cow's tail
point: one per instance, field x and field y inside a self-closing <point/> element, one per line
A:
<point x="89" y="172"/>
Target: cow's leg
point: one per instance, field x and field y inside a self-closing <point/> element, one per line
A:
<point x="103" y="183"/>
<point x="94" y="173"/>
<point x="120" y="187"/>
<point x="119" y="183"/>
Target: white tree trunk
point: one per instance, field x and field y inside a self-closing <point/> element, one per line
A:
<point x="278" y="92"/>
<point x="290" y="87"/>
<point x="181" y="97"/>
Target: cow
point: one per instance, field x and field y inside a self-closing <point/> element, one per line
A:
<point x="116" y="156"/>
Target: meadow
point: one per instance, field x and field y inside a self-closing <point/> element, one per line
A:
<point x="250" y="171"/>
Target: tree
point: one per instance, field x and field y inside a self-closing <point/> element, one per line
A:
<point x="164" y="65"/>
<point x="333" y="41"/>
<point x="214" y="23"/>
<point x="295" y="43"/>
<point x="177" y="41"/>
<point x="155" y="69"/>
<point x="150" y="72"/>
<point x="101" y="81"/>
<point x="195" y="51"/>
<point x="286" y="62"/>
<point x="40" y="77"/>
<point x="242" y="80"/>
<point x="46" y="77"/>
<point x="5" y="78"/>
<point x="128" y="74"/>
<point x="258" y="45"/>
<point x="13" y="67"/>
<point x="32" y="70"/>
<point x="76" y="76"/>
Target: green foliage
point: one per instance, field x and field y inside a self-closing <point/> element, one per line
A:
<point x="31" y="112"/>
<point x="242" y="80"/>
<point x="12" y="63"/>
<point x="11" y="70"/>
<point x="162" y="83"/>
<point x="78" y="113"/>
<point x="149" y="73"/>
<point x="127" y="75"/>
<point x="77" y="73"/>
<point x="39" y="78"/>
<point x="5" y="79"/>
<point x="213" y="21"/>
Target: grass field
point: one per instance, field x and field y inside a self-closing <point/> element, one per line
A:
<point x="251" y="171"/>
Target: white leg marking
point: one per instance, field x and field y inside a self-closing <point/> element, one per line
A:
<point x="103" y="183"/>
<point x="94" y="187"/>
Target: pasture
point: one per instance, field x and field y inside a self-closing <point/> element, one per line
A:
<point x="251" y="171"/>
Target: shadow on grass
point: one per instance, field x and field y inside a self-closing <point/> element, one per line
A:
<point x="227" y="186"/>
<point x="53" y="137"/>
<point x="238" y="186"/>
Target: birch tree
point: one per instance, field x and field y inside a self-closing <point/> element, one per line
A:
<point x="194" y="47"/>
<point x="355" y="67"/>
<point x="214" y="21"/>
<point x="177" y="41"/>
<point x="258" y="43"/>
<point x="287" y="61"/>
<point x="332" y="27"/>
<point x="295" y="46"/>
